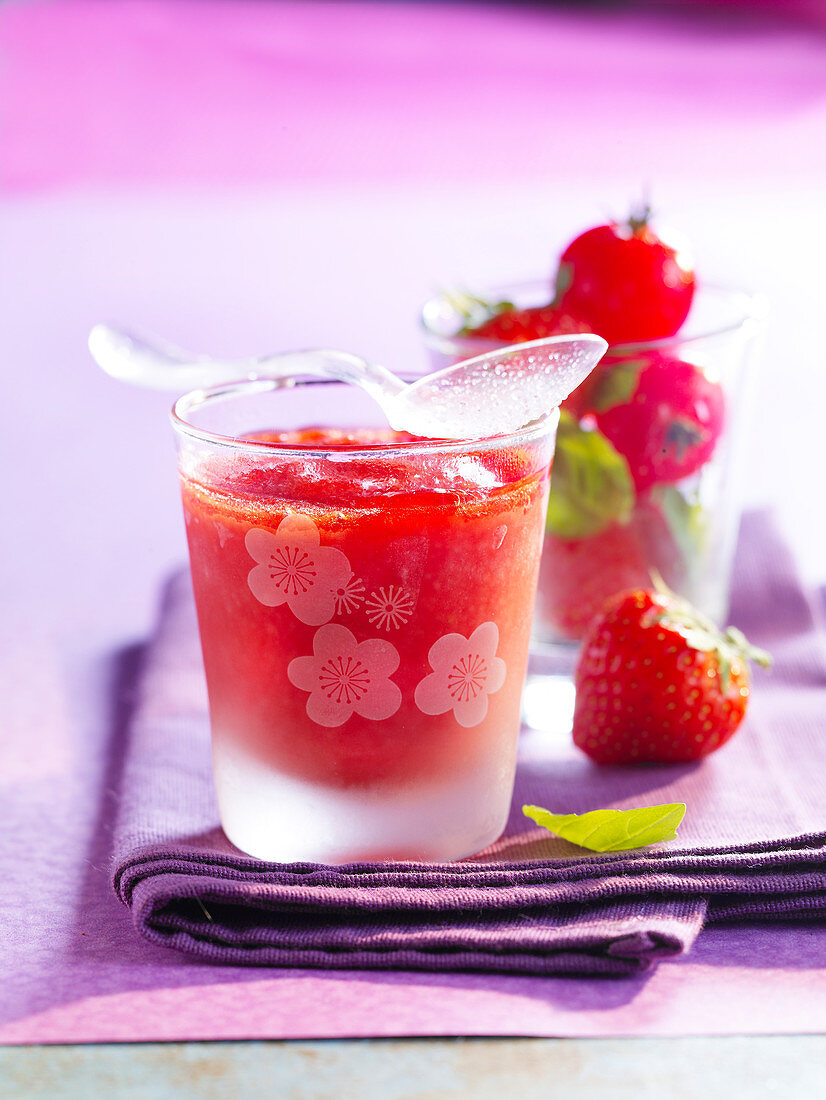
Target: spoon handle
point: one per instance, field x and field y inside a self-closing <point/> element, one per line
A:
<point x="159" y="365"/>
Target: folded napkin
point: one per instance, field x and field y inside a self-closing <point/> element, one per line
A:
<point x="750" y="848"/>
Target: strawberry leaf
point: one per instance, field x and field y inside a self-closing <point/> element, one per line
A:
<point x="612" y="830"/>
<point x="591" y="485"/>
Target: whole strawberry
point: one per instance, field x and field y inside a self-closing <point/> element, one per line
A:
<point x="516" y="326"/>
<point x="669" y="423"/>
<point x="658" y="683"/>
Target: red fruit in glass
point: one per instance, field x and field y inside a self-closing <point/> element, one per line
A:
<point x="578" y="576"/>
<point x="670" y="425"/>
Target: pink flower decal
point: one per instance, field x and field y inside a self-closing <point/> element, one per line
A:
<point x="389" y="607"/>
<point x="465" y="672"/>
<point x="348" y="596"/>
<point x="294" y="569"/>
<point x="346" y="677"/>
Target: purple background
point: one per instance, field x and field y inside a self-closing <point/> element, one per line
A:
<point x="227" y="175"/>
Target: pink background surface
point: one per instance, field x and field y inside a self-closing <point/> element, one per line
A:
<point x="248" y="176"/>
<point x="210" y="91"/>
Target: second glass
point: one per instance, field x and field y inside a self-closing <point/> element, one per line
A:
<point x="645" y="475"/>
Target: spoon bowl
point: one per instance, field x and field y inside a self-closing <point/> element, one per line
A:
<point x="497" y="392"/>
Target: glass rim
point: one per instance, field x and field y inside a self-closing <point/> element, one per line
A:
<point x="187" y="403"/>
<point x="753" y="307"/>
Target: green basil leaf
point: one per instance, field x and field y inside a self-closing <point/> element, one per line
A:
<point x="686" y="519"/>
<point x="617" y="384"/>
<point x="564" y="279"/>
<point x="591" y="484"/>
<point x="612" y="830"/>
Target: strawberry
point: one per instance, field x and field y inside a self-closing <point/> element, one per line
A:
<point x="515" y="326"/>
<point x="578" y="576"/>
<point x="657" y="682"/>
<point x="663" y="414"/>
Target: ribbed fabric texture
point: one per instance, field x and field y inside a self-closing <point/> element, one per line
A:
<point x="751" y="847"/>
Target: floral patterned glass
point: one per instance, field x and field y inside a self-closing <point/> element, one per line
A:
<point x="364" y="603"/>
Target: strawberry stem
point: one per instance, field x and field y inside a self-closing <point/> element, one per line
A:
<point x="740" y="643"/>
<point x="640" y="216"/>
<point x="701" y="634"/>
<point x="474" y="310"/>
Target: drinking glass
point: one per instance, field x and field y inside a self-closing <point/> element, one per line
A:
<point x="616" y="520"/>
<point x="364" y="602"/>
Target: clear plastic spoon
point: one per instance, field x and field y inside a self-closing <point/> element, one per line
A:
<point x="159" y="365"/>
<point x="492" y="394"/>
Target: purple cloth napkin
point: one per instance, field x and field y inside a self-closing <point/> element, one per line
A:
<point x="751" y="847"/>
